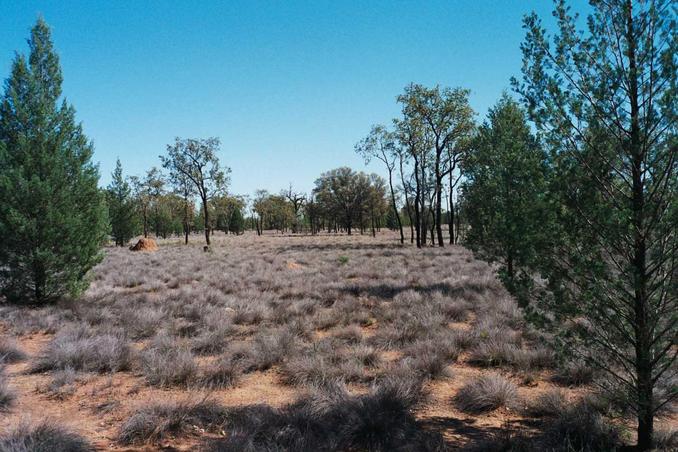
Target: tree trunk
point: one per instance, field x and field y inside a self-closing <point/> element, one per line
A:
<point x="186" y="226"/>
<point x="207" y="219"/>
<point x="509" y="263"/>
<point x="395" y="207"/>
<point x="417" y="199"/>
<point x="642" y="327"/>
<point x="451" y="223"/>
<point x="457" y="219"/>
<point x="144" y="212"/>
<point x="407" y="199"/>
<point x="374" y="233"/>
<point x="439" y="211"/>
<point x="451" y="214"/>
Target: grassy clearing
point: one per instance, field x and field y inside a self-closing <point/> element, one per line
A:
<point x="362" y="345"/>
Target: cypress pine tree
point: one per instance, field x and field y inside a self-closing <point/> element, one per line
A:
<point x="52" y="215"/>
<point x="503" y="192"/>
<point x="237" y="223"/>
<point x="120" y="207"/>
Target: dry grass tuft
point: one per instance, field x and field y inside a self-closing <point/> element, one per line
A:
<point x="485" y="393"/>
<point x="155" y="422"/>
<point x="43" y="437"/>
<point x="85" y="350"/>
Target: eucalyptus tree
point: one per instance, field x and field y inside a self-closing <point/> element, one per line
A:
<point x="146" y="191"/>
<point x="380" y="144"/>
<point x="412" y="146"/>
<point x="297" y="200"/>
<point x="184" y="187"/>
<point x="605" y="98"/>
<point x="342" y="193"/>
<point x="448" y="120"/>
<point x="197" y="160"/>
<point x="259" y="208"/>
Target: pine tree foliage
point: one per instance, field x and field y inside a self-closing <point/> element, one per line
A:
<point x="605" y="98"/>
<point x="504" y="191"/>
<point x="52" y="215"/>
<point x="121" y="207"/>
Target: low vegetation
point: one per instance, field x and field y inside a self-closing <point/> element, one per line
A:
<point x="43" y="437"/>
<point x="359" y="360"/>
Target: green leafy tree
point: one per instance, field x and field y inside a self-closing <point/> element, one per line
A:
<point x="342" y="194"/>
<point x="121" y="211"/>
<point x="505" y="190"/>
<point x="380" y="145"/>
<point x="606" y="100"/>
<point x="146" y="192"/>
<point x="447" y="119"/>
<point x="52" y="214"/>
<point x="197" y="160"/>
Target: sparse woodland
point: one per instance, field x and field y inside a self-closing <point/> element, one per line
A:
<point x="502" y="284"/>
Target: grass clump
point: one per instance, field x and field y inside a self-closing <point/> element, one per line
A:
<point x="549" y="403"/>
<point x="485" y="393"/>
<point x="84" y="350"/>
<point x="332" y="419"/>
<point x="582" y="428"/>
<point x="155" y="422"/>
<point x="223" y="373"/>
<point x="6" y="395"/>
<point x="165" y="366"/>
<point x="10" y="352"/>
<point x="43" y="437"/>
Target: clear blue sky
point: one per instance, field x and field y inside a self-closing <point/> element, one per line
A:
<point x="289" y="87"/>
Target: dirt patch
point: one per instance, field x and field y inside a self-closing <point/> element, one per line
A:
<point x="291" y="265"/>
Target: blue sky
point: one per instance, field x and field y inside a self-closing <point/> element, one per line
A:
<point x="288" y="86"/>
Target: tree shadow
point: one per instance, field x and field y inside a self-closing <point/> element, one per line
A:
<point x="468" y="435"/>
<point x="467" y="290"/>
<point x="340" y="246"/>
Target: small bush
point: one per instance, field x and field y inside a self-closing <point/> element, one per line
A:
<point x="43" y="437"/>
<point x="83" y="350"/>
<point x="485" y="393"/>
<point x="155" y="422"/>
